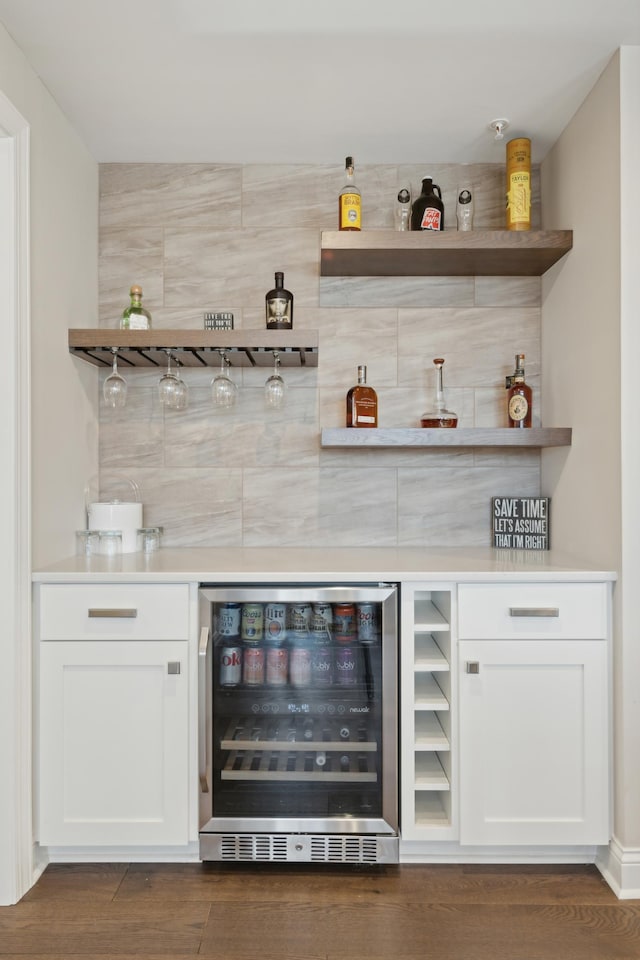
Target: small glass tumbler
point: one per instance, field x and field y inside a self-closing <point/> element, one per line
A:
<point x="149" y="539"/>
<point x="87" y="543"/>
<point x="110" y="543"/>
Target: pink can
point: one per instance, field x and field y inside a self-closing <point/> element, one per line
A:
<point x="253" y="666"/>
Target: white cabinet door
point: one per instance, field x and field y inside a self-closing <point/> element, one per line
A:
<point x="114" y="742"/>
<point x="533" y="742"/>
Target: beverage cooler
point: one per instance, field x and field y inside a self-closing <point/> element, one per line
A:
<point x="298" y="723"/>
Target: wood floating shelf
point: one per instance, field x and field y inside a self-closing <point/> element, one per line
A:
<point x="195" y="348"/>
<point x="459" y="437"/>
<point x="453" y="253"/>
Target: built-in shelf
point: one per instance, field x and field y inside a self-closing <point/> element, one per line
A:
<point x="459" y="437"/>
<point x="389" y="253"/>
<point x="195" y="348"/>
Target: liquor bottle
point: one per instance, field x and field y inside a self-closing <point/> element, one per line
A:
<point x="519" y="184"/>
<point x="439" y="416"/>
<point x="349" y="201"/>
<point x="135" y="316"/>
<point x="464" y="209"/>
<point x="427" y="212"/>
<point x="279" y="306"/>
<point x="519" y="396"/>
<point x="362" y="403"/>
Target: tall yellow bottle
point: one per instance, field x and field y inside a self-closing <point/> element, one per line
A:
<point x="349" y="201"/>
<point x="519" y="184"/>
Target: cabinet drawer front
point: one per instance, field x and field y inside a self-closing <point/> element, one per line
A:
<point x="533" y="611"/>
<point x="114" y="612"/>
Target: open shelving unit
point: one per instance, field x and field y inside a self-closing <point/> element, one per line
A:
<point x="389" y="253"/>
<point x="459" y="437"/>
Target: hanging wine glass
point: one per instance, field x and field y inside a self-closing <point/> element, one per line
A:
<point x="114" y="388"/>
<point x="274" y="388"/>
<point x="181" y="394"/>
<point x="223" y="390"/>
<point x="168" y="387"/>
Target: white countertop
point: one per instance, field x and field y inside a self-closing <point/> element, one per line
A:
<point x="300" y="565"/>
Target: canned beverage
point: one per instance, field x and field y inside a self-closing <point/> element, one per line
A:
<point x="277" y="666"/>
<point x="299" y="616"/>
<point x="321" y="665"/>
<point x="346" y="664"/>
<point x="300" y="666"/>
<point x="324" y="610"/>
<point x="230" y="666"/>
<point x="319" y="629"/>
<point x="344" y="622"/>
<point x="229" y="620"/>
<point x="253" y="666"/>
<point x="252" y="622"/>
<point x="367" y="622"/>
<point x="275" y="621"/>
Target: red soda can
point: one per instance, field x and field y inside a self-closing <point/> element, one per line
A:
<point x="253" y="666"/>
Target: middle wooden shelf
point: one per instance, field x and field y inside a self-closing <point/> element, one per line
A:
<point x="458" y="437"/>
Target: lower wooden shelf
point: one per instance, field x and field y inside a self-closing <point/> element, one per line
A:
<point x="458" y="437"/>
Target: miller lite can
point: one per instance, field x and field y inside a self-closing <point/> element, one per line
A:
<point x="275" y="622"/>
<point x="230" y="666"/>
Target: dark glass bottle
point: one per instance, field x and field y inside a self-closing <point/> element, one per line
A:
<point x="519" y="396"/>
<point x="279" y="306"/>
<point x="427" y="212"/>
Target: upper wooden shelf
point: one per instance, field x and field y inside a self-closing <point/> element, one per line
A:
<point x="458" y="437"/>
<point x="195" y="348"/>
<point x="389" y="253"/>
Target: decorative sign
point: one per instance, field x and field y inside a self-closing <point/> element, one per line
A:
<point x="521" y="523"/>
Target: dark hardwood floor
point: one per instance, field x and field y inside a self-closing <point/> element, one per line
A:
<point x="273" y="912"/>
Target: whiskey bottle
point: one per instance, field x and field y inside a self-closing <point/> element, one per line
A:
<point x="519" y="396"/>
<point x="439" y="416"/>
<point x="135" y="316"/>
<point x="362" y="403"/>
<point x="279" y="306"/>
<point x="349" y="201"/>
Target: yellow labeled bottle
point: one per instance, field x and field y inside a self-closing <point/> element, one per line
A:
<point x="349" y="201"/>
<point x="519" y="184"/>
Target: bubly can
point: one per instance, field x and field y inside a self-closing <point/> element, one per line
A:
<point x="275" y="621"/>
<point x="277" y="666"/>
<point x="230" y="666"/>
<point x="300" y="666"/>
<point x="346" y="664"/>
<point x="321" y="665"/>
<point x="252" y="622"/>
<point x="253" y="666"/>
<point x="344" y="622"/>
<point x="367" y="622"/>
<point x="229" y="619"/>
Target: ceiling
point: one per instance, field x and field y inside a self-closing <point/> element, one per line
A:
<point x="308" y="81"/>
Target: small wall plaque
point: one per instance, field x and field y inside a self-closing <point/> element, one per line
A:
<point x="218" y="321"/>
<point x="521" y="523"/>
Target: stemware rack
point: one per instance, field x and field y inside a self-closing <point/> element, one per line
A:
<point x="195" y="348"/>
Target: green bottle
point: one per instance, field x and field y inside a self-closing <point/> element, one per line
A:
<point x="135" y="316"/>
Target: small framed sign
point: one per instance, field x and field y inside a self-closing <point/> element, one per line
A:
<point x="521" y="523"/>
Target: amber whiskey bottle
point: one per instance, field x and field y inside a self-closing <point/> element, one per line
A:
<point x="519" y="396"/>
<point x="362" y="403"/>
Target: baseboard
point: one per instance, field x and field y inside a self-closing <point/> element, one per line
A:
<point x="443" y="852"/>
<point x="182" y="854"/>
<point x="620" y="866"/>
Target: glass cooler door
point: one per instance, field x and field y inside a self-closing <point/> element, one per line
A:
<point x="303" y="709"/>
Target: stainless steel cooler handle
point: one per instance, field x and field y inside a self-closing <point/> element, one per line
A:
<point x="534" y="611"/>
<point x="203" y="651"/>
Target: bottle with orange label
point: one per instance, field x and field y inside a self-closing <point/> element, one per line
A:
<point x="350" y="201"/>
<point x="427" y="212"/>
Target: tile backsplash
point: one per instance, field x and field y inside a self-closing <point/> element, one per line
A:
<point x="203" y="237"/>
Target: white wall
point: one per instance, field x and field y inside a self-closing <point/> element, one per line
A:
<point x="64" y="264"/>
<point x="590" y="342"/>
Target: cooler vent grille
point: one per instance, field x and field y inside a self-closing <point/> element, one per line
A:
<point x="332" y="849"/>
<point x="246" y="846"/>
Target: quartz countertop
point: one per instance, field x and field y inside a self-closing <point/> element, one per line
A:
<point x="342" y="564"/>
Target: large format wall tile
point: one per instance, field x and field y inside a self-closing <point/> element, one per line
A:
<point x="201" y="237"/>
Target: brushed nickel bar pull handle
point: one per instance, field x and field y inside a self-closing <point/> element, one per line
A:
<point x="122" y="613"/>
<point x="203" y="708"/>
<point x="534" y="611"/>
